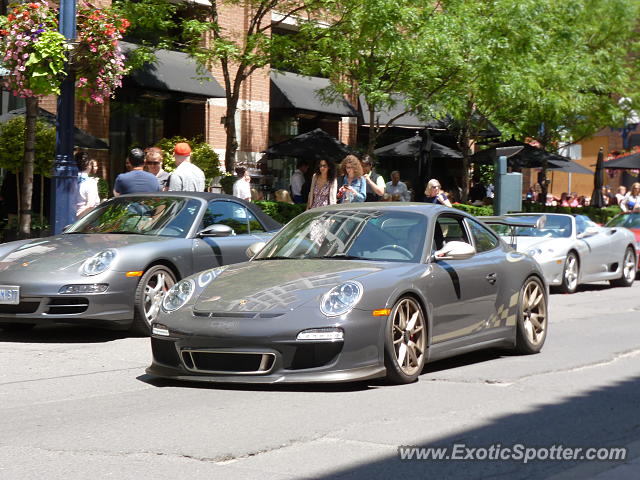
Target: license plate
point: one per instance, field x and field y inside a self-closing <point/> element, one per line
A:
<point x="9" y="295"/>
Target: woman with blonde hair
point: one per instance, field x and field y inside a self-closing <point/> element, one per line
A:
<point x="324" y="186"/>
<point x="434" y="194"/>
<point x="353" y="185"/>
<point x="631" y="201"/>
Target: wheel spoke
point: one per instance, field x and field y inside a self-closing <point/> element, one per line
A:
<point x="402" y="353"/>
<point x="413" y="358"/>
<point x="536" y="320"/>
<point x="412" y="322"/>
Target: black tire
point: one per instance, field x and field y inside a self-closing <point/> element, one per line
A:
<point x="17" y="327"/>
<point x="405" y="344"/>
<point x="629" y="270"/>
<point x="152" y="286"/>
<point x="570" y="274"/>
<point x="533" y="317"/>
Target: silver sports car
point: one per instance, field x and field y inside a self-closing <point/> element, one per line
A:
<point x="112" y="267"/>
<point x="573" y="250"/>
<point x="350" y="292"/>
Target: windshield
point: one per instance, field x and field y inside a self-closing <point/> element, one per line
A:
<point x="629" y="220"/>
<point x="350" y="234"/>
<point x="555" y="226"/>
<point x="163" y="216"/>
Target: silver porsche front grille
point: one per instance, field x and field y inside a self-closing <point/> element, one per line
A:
<point x="226" y="362"/>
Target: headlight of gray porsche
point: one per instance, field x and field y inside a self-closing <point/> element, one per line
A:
<point x="341" y="299"/>
<point x="98" y="263"/>
<point x="178" y="295"/>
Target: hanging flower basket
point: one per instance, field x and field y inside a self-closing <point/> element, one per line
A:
<point x="35" y="53"/>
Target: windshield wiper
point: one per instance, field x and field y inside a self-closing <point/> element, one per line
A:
<point x="339" y="256"/>
<point x="276" y="258"/>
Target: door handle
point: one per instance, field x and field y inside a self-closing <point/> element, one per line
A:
<point x="491" y="278"/>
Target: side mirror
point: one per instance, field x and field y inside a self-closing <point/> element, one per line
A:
<point x="589" y="232"/>
<point x="216" y="230"/>
<point x="254" y="248"/>
<point x="455" y="251"/>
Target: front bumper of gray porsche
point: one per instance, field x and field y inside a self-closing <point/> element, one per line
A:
<point x="42" y="304"/>
<point x="259" y="349"/>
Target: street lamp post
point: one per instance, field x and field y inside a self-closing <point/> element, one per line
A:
<point x="65" y="171"/>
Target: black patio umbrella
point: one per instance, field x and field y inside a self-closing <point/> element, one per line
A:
<point x="528" y="157"/>
<point x="311" y="146"/>
<point x="81" y="139"/>
<point x="631" y="162"/>
<point x="412" y="147"/>
<point x="597" y="199"/>
<point x="568" y="167"/>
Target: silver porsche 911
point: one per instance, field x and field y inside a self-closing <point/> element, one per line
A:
<point x="572" y="249"/>
<point x="353" y="292"/>
<point x="112" y="267"/>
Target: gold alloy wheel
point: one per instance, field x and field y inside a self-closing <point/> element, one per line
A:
<point x="408" y="333"/>
<point x="534" y="312"/>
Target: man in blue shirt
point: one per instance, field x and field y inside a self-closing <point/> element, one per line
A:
<point x="137" y="180"/>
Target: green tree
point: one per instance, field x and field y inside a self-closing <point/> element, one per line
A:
<point x="12" y="149"/>
<point x="379" y="49"/>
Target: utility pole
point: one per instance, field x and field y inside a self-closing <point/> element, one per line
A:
<point x="65" y="171"/>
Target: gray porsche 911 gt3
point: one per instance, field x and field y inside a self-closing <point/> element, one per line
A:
<point x="112" y="267"/>
<point x="353" y="292"/>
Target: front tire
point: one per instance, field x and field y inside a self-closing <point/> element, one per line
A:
<point x="570" y="274"/>
<point x="405" y="341"/>
<point x="629" y="267"/>
<point x="531" y="325"/>
<point x="153" y="285"/>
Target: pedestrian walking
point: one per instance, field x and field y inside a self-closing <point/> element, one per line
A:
<point x="434" y="194"/>
<point x="397" y="189"/>
<point x="324" y="185"/>
<point x="153" y="158"/>
<point x="88" y="196"/>
<point x="353" y="187"/>
<point x="298" y="181"/>
<point x="375" y="183"/>
<point x="136" y="180"/>
<point x="242" y="186"/>
<point x="186" y="177"/>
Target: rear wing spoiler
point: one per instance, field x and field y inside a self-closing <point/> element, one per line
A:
<point x="513" y="223"/>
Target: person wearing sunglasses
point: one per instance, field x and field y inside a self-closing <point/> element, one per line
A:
<point x="153" y="165"/>
<point x="324" y="185"/>
<point x="434" y="194"/>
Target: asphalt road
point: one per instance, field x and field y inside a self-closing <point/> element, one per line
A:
<point x="76" y="404"/>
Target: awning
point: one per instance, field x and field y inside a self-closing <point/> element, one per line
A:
<point x="411" y="147"/>
<point x="81" y="139"/>
<point x="292" y="91"/>
<point x="411" y="120"/>
<point x="174" y="72"/>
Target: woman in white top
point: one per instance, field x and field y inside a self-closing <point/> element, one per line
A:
<point x="324" y="185"/>
<point x="88" y="197"/>
<point x="631" y="201"/>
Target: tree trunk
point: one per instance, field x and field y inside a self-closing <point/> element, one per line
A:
<point x="231" y="144"/>
<point x="28" y="166"/>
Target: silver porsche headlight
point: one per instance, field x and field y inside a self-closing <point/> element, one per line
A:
<point x="538" y="251"/>
<point x="99" y="263"/>
<point x="178" y="295"/>
<point x="340" y="299"/>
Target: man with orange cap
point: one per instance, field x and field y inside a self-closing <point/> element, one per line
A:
<point x="186" y="177"/>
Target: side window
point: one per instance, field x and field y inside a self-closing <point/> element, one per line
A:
<point x="227" y="213"/>
<point x="254" y="224"/>
<point x="483" y="239"/>
<point x="449" y="228"/>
